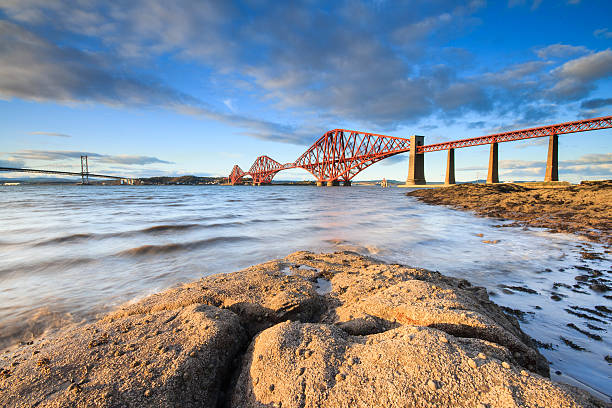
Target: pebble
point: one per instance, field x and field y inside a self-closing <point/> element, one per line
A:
<point x="271" y="387"/>
<point x="443" y="339"/>
<point x="340" y="377"/>
<point x="505" y="365"/>
<point x="524" y="373"/>
<point x="432" y="385"/>
<point x="482" y="356"/>
<point x="472" y="363"/>
<point x="147" y="393"/>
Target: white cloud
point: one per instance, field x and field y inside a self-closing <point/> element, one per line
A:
<point x="576" y="77"/>
<point x="561" y="51"/>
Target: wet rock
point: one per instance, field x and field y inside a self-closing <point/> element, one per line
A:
<point x="600" y="287"/>
<point x="571" y="344"/>
<point x="519" y="314"/>
<point x="520" y="289"/>
<point x="585" y="332"/>
<point x="590" y="255"/>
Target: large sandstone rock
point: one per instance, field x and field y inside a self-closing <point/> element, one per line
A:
<point x="261" y="295"/>
<point x="372" y="296"/>
<point x="167" y="358"/>
<point x="315" y="365"/>
<point x="324" y="330"/>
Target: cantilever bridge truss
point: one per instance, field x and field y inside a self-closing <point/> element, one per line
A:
<point x="340" y="154"/>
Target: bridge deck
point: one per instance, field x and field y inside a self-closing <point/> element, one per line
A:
<point x="63" y="173"/>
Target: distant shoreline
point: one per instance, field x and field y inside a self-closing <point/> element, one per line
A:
<point x="582" y="209"/>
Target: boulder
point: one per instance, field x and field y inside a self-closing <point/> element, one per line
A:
<point x="318" y="365"/>
<point x="165" y="358"/>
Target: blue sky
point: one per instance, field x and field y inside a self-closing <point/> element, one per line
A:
<point x="150" y="87"/>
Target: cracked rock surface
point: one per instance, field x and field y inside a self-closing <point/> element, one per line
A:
<point x="310" y="330"/>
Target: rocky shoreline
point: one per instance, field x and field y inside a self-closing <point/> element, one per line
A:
<point x="310" y="330"/>
<point x="582" y="209"/>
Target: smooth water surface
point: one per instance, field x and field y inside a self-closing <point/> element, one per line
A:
<point x="69" y="253"/>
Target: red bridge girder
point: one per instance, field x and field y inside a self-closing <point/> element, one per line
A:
<point x="559" y="129"/>
<point x="264" y="169"/>
<point x="236" y="175"/>
<point x="340" y="154"/>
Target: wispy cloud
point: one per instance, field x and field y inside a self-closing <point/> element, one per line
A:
<point x="54" y="134"/>
<point x="602" y="33"/>
<point x="561" y="51"/>
<point x="12" y="162"/>
<point x="59" y="155"/>
<point x="596" y="103"/>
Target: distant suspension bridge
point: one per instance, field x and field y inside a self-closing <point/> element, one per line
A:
<point x="84" y="174"/>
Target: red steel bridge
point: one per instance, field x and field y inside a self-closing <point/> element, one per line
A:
<point x="341" y="154"/>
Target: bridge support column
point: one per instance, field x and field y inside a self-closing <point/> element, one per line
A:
<point x="552" y="164"/>
<point x="331" y="183"/>
<point x="319" y="183"/>
<point x="493" y="174"/>
<point x="347" y="183"/>
<point x="450" y="167"/>
<point x="416" y="166"/>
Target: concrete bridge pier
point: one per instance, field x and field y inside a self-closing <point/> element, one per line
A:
<point x="416" y="166"/>
<point x="331" y="183"/>
<point x="493" y="174"/>
<point x="552" y="163"/>
<point x="450" y="167"/>
<point x="347" y="183"/>
<point x="319" y="183"/>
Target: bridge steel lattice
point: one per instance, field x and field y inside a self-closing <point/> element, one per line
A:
<point x="541" y="131"/>
<point x="340" y="154"/>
